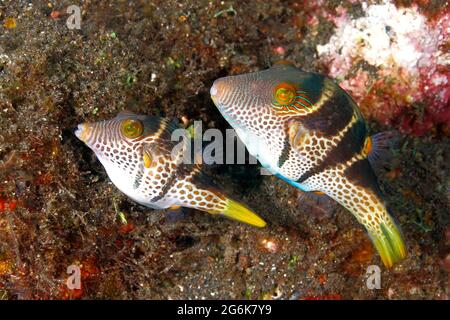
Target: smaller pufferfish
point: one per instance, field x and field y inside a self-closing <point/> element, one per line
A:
<point x="309" y="132"/>
<point x="144" y="163"/>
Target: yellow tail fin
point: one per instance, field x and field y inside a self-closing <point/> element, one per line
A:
<point x="235" y="210"/>
<point x="389" y="243"/>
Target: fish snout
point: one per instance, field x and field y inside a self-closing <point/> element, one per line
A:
<point x="83" y="131"/>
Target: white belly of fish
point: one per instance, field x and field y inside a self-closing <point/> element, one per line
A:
<point x="259" y="148"/>
<point x="125" y="184"/>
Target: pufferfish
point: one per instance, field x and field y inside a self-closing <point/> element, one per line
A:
<point x="143" y="162"/>
<point x="306" y="130"/>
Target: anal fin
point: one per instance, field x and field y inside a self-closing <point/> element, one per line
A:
<point x="317" y="203"/>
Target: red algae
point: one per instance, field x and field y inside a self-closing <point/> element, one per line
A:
<point x="7" y="204"/>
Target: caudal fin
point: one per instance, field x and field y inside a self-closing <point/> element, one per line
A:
<point x="236" y="211"/>
<point x="202" y="194"/>
<point x="388" y="241"/>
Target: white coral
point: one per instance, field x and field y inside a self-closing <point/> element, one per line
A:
<point x="386" y="37"/>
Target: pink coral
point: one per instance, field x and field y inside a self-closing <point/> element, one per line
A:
<point x="408" y="83"/>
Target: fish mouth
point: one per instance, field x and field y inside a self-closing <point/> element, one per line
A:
<point x="220" y="89"/>
<point x="216" y="93"/>
<point x="213" y="92"/>
<point x="82" y="132"/>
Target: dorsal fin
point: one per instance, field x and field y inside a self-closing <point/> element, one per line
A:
<point x="284" y="62"/>
<point x="378" y="148"/>
<point x="317" y="203"/>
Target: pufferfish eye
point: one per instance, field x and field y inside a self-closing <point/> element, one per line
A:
<point x="131" y="128"/>
<point x="284" y="94"/>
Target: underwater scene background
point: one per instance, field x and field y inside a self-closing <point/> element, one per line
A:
<point x="58" y="207"/>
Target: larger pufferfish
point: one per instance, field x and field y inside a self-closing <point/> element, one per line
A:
<point x="143" y="162"/>
<point x="309" y="132"/>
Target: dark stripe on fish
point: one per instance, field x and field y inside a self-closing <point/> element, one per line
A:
<point x="351" y="143"/>
<point x="312" y="84"/>
<point x="152" y="124"/>
<point x="139" y="175"/>
<point x="203" y="182"/>
<point x="334" y="114"/>
<point x="171" y="180"/>
<point x="361" y="174"/>
<point x="284" y="156"/>
<point x="170" y="126"/>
